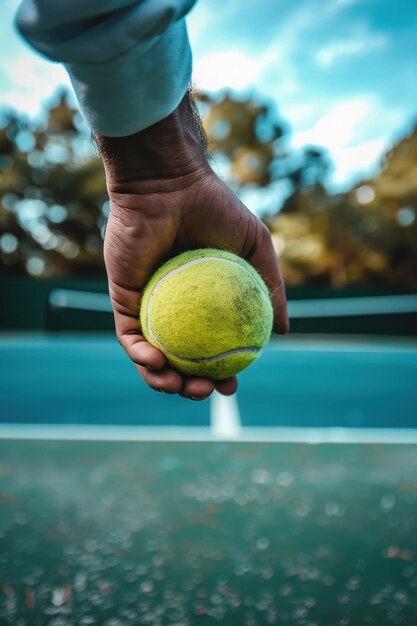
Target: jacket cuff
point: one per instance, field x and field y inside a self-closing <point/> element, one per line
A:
<point x="124" y="95"/>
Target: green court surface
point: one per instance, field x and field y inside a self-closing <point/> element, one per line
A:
<point x="294" y="502"/>
<point x="244" y="534"/>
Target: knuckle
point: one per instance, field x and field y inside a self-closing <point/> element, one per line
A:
<point x="264" y="235"/>
<point x="120" y="339"/>
<point x="285" y="327"/>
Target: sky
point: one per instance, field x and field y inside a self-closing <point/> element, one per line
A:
<point x="342" y="74"/>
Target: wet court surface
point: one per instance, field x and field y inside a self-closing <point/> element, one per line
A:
<point x="113" y="533"/>
<point x="103" y="522"/>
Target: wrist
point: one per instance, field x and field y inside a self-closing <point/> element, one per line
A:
<point x="170" y="153"/>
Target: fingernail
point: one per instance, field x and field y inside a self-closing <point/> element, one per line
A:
<point x="195" y="398"/>
<point x="148" y="367"/>
<point x="159" y="390"/>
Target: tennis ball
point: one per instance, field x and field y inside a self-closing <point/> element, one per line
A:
<point x="208" y="311"/>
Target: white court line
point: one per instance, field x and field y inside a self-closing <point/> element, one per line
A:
<point x="224" y="416"/>
<point x="278" y="434"/>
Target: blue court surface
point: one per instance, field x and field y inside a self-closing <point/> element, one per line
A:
<point x="309" y="384"/>
<point x="293" y="503"/>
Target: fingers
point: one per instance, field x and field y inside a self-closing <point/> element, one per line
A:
<point x="150" y="363"/>
<point x="227" y="387"/>
<point x="170" y="381"/>
<point x="202" y="388"/>
<point x="197" y="388"/>
<point x="143" y="353"/>
<point x="166" y="380"/>
<point x="264" y="259"/>
<point x="126" y="312"/>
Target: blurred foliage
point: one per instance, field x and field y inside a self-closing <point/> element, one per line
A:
<point x="53" y="202"/>
<point x="367" y="236"/>
<point x="53" y="196"/>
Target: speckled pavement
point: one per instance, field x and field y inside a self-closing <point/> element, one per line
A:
<point x="178" y="534"/>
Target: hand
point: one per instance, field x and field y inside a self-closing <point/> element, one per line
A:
<point x="164" y="199"/>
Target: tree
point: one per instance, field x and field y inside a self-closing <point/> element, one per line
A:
<point x="53" y="201"/>
<point x="52" y="194"/>
<point x="366" y="236"/>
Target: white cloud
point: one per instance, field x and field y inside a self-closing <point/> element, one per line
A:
<point x="32" y="81"/>
<point x="348" y="128"/>
<point x="345" y="132"/>
<point x="338" y="127"/>
<point x="269" y="65"/>
<point x="336" y="6"/>
<point x="350" y="47"/>
<point x="235" y="69"/>
<point x="198" y="21"/>
<point x="229" y="68"/>
<point x="359" y="161"/>
<point x="26" y="79"/>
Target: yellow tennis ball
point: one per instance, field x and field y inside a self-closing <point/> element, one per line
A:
<point x="208" y="311"/>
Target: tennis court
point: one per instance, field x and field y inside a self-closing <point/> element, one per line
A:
<point x="293" y="502"/>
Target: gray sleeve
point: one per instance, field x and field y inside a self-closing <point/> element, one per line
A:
<point x="129" y="60"/>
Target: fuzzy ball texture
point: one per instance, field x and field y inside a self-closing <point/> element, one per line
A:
<point x="208" y="311"/>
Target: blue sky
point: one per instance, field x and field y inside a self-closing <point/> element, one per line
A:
<point x="342" y="73"/>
